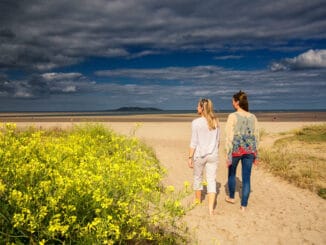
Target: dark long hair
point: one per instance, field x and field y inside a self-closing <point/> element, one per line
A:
<point x="243" y="100"/>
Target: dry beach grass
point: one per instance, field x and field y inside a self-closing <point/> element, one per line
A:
<point x="299" y="157"/>
<point x="278" y="212"/>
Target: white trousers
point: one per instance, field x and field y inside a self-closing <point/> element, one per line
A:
<point x="210" y="164"/>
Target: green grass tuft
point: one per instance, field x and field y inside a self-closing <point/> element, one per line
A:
<point x="312" y="134"/>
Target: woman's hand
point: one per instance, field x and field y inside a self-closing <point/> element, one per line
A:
<point x="256" y="162"/>
<point x="228" y="163"/>
<point x="190" y="163"/>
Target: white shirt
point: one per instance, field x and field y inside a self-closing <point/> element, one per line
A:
<point x="203" y="140"/>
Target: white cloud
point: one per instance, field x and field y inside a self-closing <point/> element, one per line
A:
<point x="267" y="90"/>
<point x="114" y="52"/>
<point x="69" y="89"/>
<point x="59" y="75"/>
<point x="145" y="53"/>
<point x="201" y="93"/>
<point x="190" y="83"/>
<point x="309" y="60"/>
<point x="184" y="74"/>
<point x="23" y="94"/>
<point x="228" y="57"/>
<point x="278" y="67"/>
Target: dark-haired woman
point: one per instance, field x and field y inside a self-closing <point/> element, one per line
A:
<point x="241" y="144"/>
<point x="203" y="152"/>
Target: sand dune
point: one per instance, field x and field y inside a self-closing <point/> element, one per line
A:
<point x="278" y="213"/>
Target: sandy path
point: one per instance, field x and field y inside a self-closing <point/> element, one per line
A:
<point x="278" y="213"/>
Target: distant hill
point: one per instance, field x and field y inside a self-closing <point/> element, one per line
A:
<point x="137" y="109"/>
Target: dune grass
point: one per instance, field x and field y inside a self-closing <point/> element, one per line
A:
<point x="300" y="158"/>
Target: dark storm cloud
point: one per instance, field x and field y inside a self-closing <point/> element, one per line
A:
<point x="44" y="85"/>
<point x="42" y="35"/>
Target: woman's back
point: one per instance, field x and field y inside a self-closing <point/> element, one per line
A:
<point x="245" y="124"/>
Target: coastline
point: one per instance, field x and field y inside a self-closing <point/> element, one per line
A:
<point x="295" y="116"/>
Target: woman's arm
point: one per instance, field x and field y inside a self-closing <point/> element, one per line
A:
<point x="229" y="131"/>
<point x="191" y="157"/>
<point x="257" y="137"/>
<point x="193" y="144"/>
<point x="257" y="132"/>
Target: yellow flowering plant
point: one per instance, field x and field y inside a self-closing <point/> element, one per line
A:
<point x="86" y="185"/>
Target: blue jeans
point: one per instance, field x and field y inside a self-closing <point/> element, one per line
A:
<point x="247" y="161"/>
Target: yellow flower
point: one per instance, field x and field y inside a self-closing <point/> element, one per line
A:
<point x="2" y="187"/>
<point x="42" y="242"/>
<point x="186" y="184"/>
<point x="170" y="188"/>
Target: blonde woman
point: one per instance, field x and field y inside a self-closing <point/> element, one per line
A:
<point x="203" y="151"/>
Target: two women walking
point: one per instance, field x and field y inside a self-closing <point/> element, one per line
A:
<point x="241" y="144"/>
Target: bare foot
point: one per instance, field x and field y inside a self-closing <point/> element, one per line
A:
<point x="212" y="212"/>
<point x="242" y="208"/>
<point x="230" y="200"/>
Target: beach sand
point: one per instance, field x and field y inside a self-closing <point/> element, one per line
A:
<point x="278" y="212"/>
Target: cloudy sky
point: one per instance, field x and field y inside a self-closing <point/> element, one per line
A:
<point x="95" y="55"/>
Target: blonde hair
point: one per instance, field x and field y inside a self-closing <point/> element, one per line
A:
<point x="208" y="113"/>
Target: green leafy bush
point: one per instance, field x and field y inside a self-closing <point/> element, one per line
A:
<point x="87" y="185"/>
